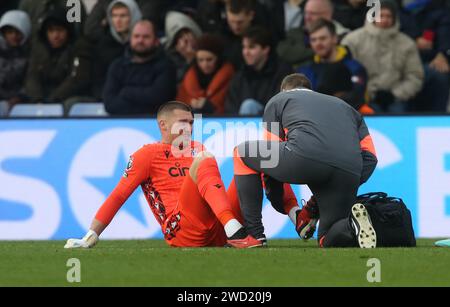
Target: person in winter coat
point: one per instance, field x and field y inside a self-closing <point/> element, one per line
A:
<point x="391" y="58"/>
<point x="295" y="49"/>
<point x="181" y="39"/>
<point x="432" y="22"/>
<point x="143" y="79"/>
<point x="38" y="10"/>
<point x="97" y="21"/>
<point x="260" y="78"/>
<point x="206" y="83"/>
<point x="51" y="68"/>
<point x="95" y="56"/>
<point x="333" y="70"/>
<point x="15" y="30"/>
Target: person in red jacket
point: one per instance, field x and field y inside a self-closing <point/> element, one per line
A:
<point x="206" y="83"/>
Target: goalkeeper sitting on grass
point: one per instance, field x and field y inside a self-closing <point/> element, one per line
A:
<point x="184" y="189"/>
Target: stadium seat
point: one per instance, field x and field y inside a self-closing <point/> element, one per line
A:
<point x="3" y="108"/>
<point x="37" y="110"/>
<point x="88" y="109"/>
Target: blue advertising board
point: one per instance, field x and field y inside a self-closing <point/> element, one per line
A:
<point x="54" y="174"/>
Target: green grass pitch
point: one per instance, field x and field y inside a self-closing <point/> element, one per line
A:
<point x="283" y="263"/>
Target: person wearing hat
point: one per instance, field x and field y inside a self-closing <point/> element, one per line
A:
<point x="15" y="29"/>
<point x="206" y="83"/>
<point x="95" y="55"/>
<point x="38" y="11"/>
<point x="52" y="61"/>
<point x="181" y="38"/>
<point x="391" y="58"/>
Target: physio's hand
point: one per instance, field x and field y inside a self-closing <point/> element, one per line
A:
<point x="88" y="241"/>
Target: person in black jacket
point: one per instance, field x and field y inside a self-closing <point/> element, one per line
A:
<point x="432" y="21"/>
<point x="53" y="61"/>
<point x="15" y="30"/>
<point x="235" y="18"/>
<point x="38" y="10"/>
<point x="259" y="79"/>
<point x="143" y="79"/>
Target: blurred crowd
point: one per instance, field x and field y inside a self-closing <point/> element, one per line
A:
<point x="224" y="57"/>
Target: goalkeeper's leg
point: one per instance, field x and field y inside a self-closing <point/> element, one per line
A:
<point x="204" y="204"/>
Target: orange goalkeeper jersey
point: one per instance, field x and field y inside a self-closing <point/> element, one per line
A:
<point x="159" y="172"/>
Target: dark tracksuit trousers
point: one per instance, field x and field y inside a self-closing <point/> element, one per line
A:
<point x="334" y="189"/>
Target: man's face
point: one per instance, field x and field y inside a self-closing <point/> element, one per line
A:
<point x="386" y="19"/>
<point x="323" y="42"/>
<point x="206" y="61"/>
<point x="177" y="125"/>
<point x="13" y="37"/>
<point x="240" y="22"/>
<point x="121" y="19"/>
<point x="315" y="10"/>
<point x="57" y="36"/>
<point x="254" y="54"/>
<point x="143" y="39"/>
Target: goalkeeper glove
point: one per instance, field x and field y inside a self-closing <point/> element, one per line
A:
<point x="88" y="241"/>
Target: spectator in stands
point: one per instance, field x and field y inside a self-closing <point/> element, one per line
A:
<point x="212" y="15"/>
<point x="182" y="33"/>
<point x="88" y="6"/>
<point x="207" y="81"/>
<point x="95" y="57"/>
<point x="350" y="13"/>
<point x="143" y="79"/>
<point x="38" y="10"/>
<point x="322" y="9"/>
<point x="331" y="59"/>
<point x="295" y="49"/>
<point x="433" y="41"/>
<point x="391" y="59"/>
<point x="97" y="23"/>
<point x="52" y="62"/>
<point x="286" y="15"/>
<point x="255" y="83"/>
<point x="240" y="16"/>
<point x="15" y="30"/>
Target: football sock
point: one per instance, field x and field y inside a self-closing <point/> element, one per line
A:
<point x="211" y="188"/>
<point x="293" y="214"/>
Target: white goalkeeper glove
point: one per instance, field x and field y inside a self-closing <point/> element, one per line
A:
<point x="88" y="241"/>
